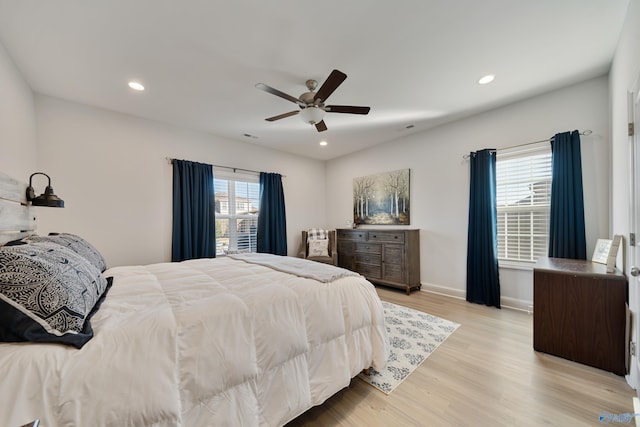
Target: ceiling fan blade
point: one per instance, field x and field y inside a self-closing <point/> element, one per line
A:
<point x="347" y="109"/>
<point x="321" y="126"/>
<point x="276" y="92"/>
<point x="334" y="80"/>
<point x="282" y="116"/>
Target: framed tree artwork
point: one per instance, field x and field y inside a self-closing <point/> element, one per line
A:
<point x="382" y="199"/>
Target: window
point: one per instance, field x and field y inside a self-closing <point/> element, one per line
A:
<point x="237" y="204"/>
<point x="523" y="194"/>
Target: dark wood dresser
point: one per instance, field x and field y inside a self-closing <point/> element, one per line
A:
<point x="580" y="313"/>
<point x="386" y="257"/>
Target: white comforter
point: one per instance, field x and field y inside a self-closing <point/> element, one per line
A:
<point x="200" y="343"/>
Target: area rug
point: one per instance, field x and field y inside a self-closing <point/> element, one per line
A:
<point x="413" y="336"/>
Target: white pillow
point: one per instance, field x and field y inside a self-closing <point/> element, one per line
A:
<point x="319" y="247"/>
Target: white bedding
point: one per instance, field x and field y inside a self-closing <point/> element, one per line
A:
<point x="200" y="343"/>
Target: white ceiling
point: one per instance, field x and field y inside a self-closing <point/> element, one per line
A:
<point x="414" y="62"/>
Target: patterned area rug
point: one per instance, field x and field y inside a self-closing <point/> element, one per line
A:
<point x="413" y="336"/>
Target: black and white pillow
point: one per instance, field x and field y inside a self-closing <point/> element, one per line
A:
<point x="48" y="293"/>
<point x="317" y="234"/>
<point x="76" y="244"/>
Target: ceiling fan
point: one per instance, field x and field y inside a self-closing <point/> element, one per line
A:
<point x="312" y="108"/>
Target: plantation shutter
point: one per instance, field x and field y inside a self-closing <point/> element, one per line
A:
<point x="237" y="205"/>
<point x="523" y="190"/>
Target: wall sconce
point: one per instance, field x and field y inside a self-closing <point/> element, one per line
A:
<point x="45" y="199"/>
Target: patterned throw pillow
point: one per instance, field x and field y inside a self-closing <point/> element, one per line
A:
<point x="48" y="293"/>
<point x="317" y="233"/>
<point x="76" y="244"/>
<point x="318" y="247"/>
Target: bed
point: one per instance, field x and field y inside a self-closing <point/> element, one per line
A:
<point x="248" y="339"/>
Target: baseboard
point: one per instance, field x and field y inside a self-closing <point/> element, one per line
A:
<point x="441" y="290"/>
<point x="506" y="302"/>
<point x="517" y="304"/>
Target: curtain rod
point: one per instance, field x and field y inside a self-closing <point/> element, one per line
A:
<point x="586" y="132"/>
<point x="170" y="160"/>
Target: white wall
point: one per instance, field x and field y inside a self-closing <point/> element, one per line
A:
<point x="440" y="178"/>
<point x="17" y="122"/>
<point x="625" y="69"/>
<point x="111" y="171"/>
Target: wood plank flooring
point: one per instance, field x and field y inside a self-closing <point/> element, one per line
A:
<point x="486" y="373"/>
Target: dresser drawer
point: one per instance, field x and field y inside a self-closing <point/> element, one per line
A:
<point x="362" y="257"/>
<point x="352" y="235"/>
<point x="372" y="248"/>
<point x="370" y="271"/>
<point x="386" y="236"/>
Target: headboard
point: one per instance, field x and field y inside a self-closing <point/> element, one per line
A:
<point x="16" y="217"/>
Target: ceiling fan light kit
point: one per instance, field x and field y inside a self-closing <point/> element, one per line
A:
<point x="311" y="104"/>
<point x="312" y="115"/>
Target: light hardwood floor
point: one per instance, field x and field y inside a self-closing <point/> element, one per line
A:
<point x="485" y="373"/>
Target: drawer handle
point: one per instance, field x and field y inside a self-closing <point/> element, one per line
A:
<point x="395" y="237"/>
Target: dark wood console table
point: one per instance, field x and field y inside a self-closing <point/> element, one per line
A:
<point x="580" y="313"/>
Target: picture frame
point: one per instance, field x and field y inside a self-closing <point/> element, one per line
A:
<point x="612" y="259"/>
<point x="601" y="251"/>
<point x="382" y="199"/>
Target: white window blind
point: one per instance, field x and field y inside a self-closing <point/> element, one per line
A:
<point x="237" y="197"/>
<point x="523" y="194"/>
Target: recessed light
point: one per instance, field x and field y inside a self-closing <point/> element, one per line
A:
<point x="323" y="143"/>
<point x="136" y="86"/>
<point x="486" y="79"/>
